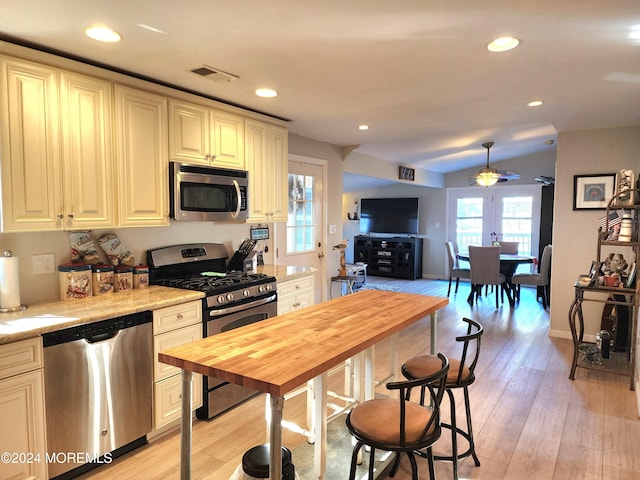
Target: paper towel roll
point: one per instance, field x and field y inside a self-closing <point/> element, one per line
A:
<point x="9" y="282"/>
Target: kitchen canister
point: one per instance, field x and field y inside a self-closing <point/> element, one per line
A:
<point x="122" y="278"/>
<point x="9" y="284"/>
<point x="140" y="276"/>
<point x="75" y="281"/>
<point x="102" y="279"/>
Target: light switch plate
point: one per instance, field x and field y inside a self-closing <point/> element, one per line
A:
<point x="43" y="264"/>
<point x="332" y="229"/>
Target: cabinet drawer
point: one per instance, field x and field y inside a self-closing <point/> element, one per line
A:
<point x="168" y="399"/>
<point x="177" y="316"/>
<point x="20" y="357"/>
<point x="168" y="340"/>
<point x="292" y="287"/>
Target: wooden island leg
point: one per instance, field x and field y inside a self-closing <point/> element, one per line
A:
<point x="185" y="437"/>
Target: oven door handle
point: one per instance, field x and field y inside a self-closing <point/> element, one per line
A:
<point x="244" y="306"/>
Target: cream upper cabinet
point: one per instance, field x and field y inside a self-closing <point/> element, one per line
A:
<point x="142" y="160"/>
<point x="202" y="135"/>
<point x="87" y="151"/>
<point x="266" y="149"/>
<point x="30" y="142"/>
<point x="57" y="165"/>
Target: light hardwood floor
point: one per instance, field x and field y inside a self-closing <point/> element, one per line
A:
<point x="530" y="420"/>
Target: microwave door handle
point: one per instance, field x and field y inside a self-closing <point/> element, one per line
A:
<point x="238" y="199"/>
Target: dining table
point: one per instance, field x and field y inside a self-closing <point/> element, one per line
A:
<point x="508" y="263"/>
<point x="277" y="355"/>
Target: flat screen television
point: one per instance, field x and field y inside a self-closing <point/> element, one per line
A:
<point x="389" y="215"/>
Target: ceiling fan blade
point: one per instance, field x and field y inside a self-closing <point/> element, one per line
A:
<point x="508" y="175"/>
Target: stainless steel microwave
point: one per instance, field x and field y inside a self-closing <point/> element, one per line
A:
<point x="203" y="193"/>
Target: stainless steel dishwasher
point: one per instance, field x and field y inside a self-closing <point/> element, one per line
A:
<point x="98" y="392"/>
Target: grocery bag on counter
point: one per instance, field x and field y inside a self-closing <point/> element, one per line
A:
<point x="116" y="252"/>
<point x="83" y="248"/>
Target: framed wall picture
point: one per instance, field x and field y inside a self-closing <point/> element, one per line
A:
<point x="593" y="192"/>
<point x="406" y="173"/>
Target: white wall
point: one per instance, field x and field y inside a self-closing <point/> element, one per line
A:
<point x="575" y="232"/>
<point x="431" y="223"/>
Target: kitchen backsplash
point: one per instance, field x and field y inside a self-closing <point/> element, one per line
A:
<point x="44" y="287"/>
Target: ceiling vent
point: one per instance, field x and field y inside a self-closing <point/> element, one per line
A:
<point x="214" y="74"/>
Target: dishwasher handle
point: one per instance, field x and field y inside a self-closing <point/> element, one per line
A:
<point x="101" y="337"/>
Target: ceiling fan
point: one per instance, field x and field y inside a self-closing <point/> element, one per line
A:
<point x="489" y="175"/>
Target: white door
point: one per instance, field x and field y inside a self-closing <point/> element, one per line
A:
<point x="300" y="241"/>
<point x="479" y="216"/>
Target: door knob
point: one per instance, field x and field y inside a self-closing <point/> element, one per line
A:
<point x="321" y="255"/>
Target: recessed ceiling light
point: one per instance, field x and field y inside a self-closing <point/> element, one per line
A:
<point x="266" y="92"/>
<point x="103" y="34"/>
<point x="534" y="103"/>
<point x="503" y="44"/>
<point x="363" y="127"/>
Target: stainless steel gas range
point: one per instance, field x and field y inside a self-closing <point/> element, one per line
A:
<point x="233" y="299"/>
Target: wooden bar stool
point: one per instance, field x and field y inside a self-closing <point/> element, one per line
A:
<point x="461" y="375"/>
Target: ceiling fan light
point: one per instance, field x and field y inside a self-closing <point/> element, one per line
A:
<point x="487" y="176"/>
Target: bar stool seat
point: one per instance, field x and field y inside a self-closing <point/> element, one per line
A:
<point x="461" y="375"/>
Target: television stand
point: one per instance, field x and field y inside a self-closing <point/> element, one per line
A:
<point x="398" y="257"/>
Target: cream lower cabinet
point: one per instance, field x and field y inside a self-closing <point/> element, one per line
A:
<point x="56" y="141"/>
<point x="142" y="158"/>
<point x="22" y="435"/>
<point x="172" y="327"/>
<point x="266" y="152"/>
<point x="202" y="135"/>
<point x="295" y="294"/>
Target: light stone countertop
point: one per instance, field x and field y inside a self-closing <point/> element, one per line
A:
<point x="286" y="272"/>
<point x="56" y="315"/>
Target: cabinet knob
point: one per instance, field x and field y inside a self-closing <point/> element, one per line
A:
<point x="180" y="317"/>
<point x="70" y="216"/>
<point x="60" y="216"/>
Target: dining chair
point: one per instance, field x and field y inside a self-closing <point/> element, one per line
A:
<point x="461" y="375"/>
<point x="509" y="247"/>
<point x="455" y="271"/>
<point x="541" y="279"/>
<point x="485" y="270"/>
<point x="400" y="424"/>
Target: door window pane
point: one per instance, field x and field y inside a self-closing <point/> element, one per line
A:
<point x="301" y="223"/>
<point x="469" y="219"/>
<point x="517" y="222"/>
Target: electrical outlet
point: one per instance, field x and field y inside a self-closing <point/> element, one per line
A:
<point x="333" y="229"/>
<point x="43" y="264"/>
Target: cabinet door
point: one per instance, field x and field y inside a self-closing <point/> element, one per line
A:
<point x="266" y="150"/>
<point x="89" y="190"/>
<point x="143" y="162"/>
<point x="258" y="167"/>
<point x="228" y="140"/>
<point x="278" y="153"/>
<point x="23" y="425"/>
<point x="30" y="142"/>
<point x="189" y="137"/>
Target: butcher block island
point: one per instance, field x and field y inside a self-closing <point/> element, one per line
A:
<point x="279" y="354"/>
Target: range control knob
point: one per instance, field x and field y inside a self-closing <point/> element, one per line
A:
<point x="269" y="287"/>
<point x="230" y="297"/>
<point x="221" y="299"/>
<point x="261" y="288"/>
<point x="245" y="292"/>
